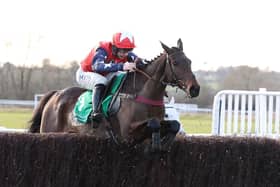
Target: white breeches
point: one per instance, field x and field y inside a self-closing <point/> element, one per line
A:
<point x="88" y="80"/>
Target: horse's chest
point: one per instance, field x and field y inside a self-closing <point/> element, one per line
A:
<point x="155" y="112"/>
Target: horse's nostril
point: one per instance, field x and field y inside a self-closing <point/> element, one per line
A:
<point x="194" y="91"/>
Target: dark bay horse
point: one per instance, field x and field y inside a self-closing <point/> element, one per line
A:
<point x="141" y="113"/>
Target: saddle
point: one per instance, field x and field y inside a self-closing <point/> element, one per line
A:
<point x="110" y="102"/>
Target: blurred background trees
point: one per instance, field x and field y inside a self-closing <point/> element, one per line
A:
<point x="22" y="82"/>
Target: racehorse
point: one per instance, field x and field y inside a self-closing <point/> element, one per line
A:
<point x="141" y="113"/>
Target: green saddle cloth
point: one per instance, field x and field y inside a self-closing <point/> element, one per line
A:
<point x="83" y="106"/>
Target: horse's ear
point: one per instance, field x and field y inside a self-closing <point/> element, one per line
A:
<point x="165" y="47"/>
<point x="180" y="44"/>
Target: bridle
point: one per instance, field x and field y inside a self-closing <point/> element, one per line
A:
<point x="175" y="82"/>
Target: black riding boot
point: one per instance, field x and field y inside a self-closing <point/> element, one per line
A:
<point x="96" y="115"/>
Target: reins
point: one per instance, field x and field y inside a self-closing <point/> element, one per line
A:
<point x="149" y="77"/>
<point x="144" y="73"/>
<point x="174" y="82"/>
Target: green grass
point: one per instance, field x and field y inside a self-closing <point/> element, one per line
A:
<point x="16" y="118"/>
<point x="196" y="123"/>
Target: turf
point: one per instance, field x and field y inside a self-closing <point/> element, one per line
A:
<point x="15" y="117"/>
<point x="196" y="123"/>
<point x="18" y="118"/>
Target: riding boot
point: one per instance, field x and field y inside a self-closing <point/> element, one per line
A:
<point x="97" y="96"/>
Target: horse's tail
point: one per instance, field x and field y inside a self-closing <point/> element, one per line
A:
<point x="35" y="121"/>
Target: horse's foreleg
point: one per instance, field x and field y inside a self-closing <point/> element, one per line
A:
<point x="154" y="127"/>
<point x="169" y="129"/>
<point x="148" y="130"/>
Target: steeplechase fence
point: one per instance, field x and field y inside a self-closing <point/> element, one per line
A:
<point x="79" y="160"/>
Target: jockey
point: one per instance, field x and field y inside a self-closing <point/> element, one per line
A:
<point x="101" y="63"/>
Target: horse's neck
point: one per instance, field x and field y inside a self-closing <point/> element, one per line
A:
<point x="133" y="83"/>
<point x="153" y="90"/>
<point x="138" y="83"/>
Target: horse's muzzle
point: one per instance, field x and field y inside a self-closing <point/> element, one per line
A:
<point x="194" y="91"/>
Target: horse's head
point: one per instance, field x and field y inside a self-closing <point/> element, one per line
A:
<point x="179" y="70"/>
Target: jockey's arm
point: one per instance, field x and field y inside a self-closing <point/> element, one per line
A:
<point x="99" y="65"/>
<point x="131" y="57"/>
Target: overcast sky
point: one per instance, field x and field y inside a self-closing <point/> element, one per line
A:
<point x="214" y="32"/>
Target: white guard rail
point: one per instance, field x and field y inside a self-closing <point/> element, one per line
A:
<point x="239" y="112"/>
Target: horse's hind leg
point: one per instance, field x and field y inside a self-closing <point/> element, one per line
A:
<point x="169" y="129"/>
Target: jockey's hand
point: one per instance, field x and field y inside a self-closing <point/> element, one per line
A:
<point x="128" y="66"/>
<point x="140" y="62"/>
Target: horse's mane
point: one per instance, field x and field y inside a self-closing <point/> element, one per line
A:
<point x="155" y="58"/>
<point x="132" y="77"/>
